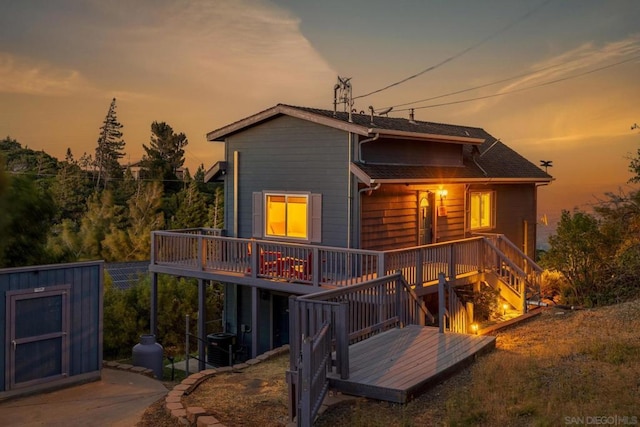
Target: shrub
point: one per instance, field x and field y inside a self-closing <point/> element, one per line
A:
<point x="127" y="313"/>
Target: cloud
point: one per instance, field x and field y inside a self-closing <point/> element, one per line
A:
<point x="24" y="76"/>
<point x="583" y="58"/>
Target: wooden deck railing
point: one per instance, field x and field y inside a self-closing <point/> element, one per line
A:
<point x="351" y="314"/>
<point x="314" y="385"/>
<point x="306" y="264"/>
<point x="422" y="264"/>
<point x="208" y="250"/>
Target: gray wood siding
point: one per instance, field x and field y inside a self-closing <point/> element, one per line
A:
<point x="407" y="152"/>
<point x="85" y="304"/>
<point x="290" y="155"/>
<point x="515" y="204"/>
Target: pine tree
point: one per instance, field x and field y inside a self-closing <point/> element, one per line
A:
<point x="165" y="153"/>
<point x="70" y="189"/>
<point x="192" y="209"/>
<point x="110" y="149"/>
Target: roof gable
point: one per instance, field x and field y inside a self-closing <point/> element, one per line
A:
<point x="361" y="124"/>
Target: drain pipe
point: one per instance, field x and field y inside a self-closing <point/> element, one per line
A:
<point x="361" y="143"/>
<point x="370" y="188"/>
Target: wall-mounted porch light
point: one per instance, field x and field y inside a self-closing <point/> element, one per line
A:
<point x="442" y="209"/>
<point x="474" y="328"/>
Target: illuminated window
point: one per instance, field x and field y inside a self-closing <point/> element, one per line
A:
<point x="287" y="216"/>
<point x="481" y="210"/>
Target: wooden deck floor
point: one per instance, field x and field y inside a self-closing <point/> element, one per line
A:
<point x="399" y="364"/>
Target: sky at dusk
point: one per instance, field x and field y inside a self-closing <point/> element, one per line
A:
<point x="566" y="73"/>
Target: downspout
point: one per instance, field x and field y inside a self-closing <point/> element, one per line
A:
<point x="364" y="141"/>
<point x="350" y="182"/>
<point x="370" y="188"/>
<point x="349" y="191"/>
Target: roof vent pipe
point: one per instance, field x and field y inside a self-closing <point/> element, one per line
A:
<point x="411" y="117"/>
<point x="371" y="110"/>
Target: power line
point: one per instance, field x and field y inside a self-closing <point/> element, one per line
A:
<point x="482" y="86"/>
<point x="461" y="53"/>
<point x="525" y="88"/>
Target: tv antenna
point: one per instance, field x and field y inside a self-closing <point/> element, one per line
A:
<point x="343" y="94"/>
<point x="546" y="164"/>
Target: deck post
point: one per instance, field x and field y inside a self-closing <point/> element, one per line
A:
<point x="255" y="296"/>
<point x="452" y="262"/>
<point x="315" y="266"/>
<point x="399" y="303"/>
<point x="342" y="340"/>
<point x="202" y="322"/>
<point x="441" y="307"/>
<point x="200" y="253"/>
<point x="419" y="264"/>
<point x="154" y="304"/>
<point x="382" y="268"/>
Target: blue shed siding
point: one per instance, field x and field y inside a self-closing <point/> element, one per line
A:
<point x="85" y="303"/>
<point x="289" y="155"/>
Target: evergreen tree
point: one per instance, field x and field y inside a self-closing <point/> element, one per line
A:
<point x="26" y="225"/>
<point x="192" y="208"/>
<point x="70" y="189"/>
<point x="216" y="209"/>
<point x="101" y="216"/>
<point x="165" y="153"/>
<point x="110" y="149"/>
<point x="144" y="215"/>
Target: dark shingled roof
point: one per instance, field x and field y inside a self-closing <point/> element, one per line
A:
<point x="400" y="124"/>
<point x="484" y="157"/>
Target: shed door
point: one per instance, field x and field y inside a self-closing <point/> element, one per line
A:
<point x="38" y="339"/>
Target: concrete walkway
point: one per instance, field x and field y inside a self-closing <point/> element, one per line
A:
<point x="118" y="399"/>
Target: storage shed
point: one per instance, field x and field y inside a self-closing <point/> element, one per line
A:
<point x="52" y="333"/>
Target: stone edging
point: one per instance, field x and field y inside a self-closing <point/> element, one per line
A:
<point x="126" y="367"/>
<point x="197" y="416"/>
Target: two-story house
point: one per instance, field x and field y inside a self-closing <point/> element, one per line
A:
<point x="318" y="199"/>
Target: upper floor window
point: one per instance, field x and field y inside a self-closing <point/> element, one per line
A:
<point x="295" y="216"/>
<point x="482" y="210"/>
<point x="287" y="216"/>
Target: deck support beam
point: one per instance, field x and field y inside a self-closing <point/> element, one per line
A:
<point x="441" y="304"/>
<point x="202" y="324"/>
<point x="255" y="300"/>
<point x="154" y="304"/>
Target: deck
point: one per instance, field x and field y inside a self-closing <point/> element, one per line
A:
<point x="406" y="362"/>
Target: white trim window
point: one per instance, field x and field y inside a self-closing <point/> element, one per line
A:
<point x="294" y="216"/>
<point x="482" y="210"/>
<point x="286" y="215"/>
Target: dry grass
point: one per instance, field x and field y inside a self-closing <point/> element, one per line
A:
<point x="562" y="364"/>
<point x="575" y="364"/>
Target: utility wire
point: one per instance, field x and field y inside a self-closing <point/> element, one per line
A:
<point x="461" y="53"/>
<point x="527" y="87"/>
<point x="482" y="86"/>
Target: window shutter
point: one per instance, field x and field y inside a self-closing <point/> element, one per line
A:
<point x="316" y="218"/>
<point x="257" y="212"/>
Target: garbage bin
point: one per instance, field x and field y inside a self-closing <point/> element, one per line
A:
<point x="218" y="348"/>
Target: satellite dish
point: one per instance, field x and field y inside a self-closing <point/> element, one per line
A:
<point x="385" y="111"/>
